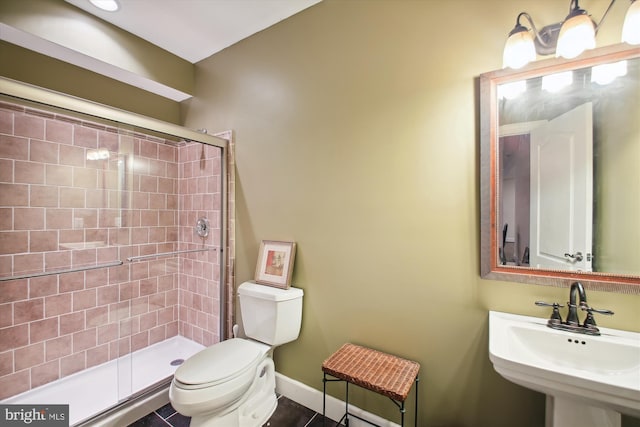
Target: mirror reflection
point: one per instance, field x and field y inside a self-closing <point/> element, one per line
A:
<point x="569" y="170"/>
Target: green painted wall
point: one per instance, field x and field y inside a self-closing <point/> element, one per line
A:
<point x="357" y="136"/>
<point x="30" y="67"/>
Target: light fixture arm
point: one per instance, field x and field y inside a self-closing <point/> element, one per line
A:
<point x="606" y="12"/>
<point x="536" y="33"/>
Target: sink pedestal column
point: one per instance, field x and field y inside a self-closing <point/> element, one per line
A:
<point x="562" y="412"/>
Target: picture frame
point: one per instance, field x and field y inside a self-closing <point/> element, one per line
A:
<point x="275" y="263"/>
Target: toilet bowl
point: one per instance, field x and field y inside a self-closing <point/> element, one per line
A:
<point x="232" y="383"/>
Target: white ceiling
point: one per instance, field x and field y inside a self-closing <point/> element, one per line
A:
<point x="196" y="29"/>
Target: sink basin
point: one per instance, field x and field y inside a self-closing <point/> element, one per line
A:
<point x="579" y="373"/>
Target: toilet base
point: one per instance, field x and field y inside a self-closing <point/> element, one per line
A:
<point x="254" y="408"/>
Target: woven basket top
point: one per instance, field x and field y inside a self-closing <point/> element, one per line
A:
<point x="374" y="370"/>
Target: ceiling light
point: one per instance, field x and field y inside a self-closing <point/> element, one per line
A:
<point x="108" y="5"/>
<point x="568" y="38"/>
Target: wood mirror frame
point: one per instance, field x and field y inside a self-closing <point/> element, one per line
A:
<point x="489" y="259"/>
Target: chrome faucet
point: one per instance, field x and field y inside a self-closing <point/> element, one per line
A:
<point x="573" y="323"/>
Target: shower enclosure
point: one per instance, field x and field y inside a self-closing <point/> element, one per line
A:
<point x="114" y="251"/>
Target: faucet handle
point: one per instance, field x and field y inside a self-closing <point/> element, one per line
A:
<point x="555" y="314"/>
<point x="590" y="321"/>
<point x="598" y="310"/>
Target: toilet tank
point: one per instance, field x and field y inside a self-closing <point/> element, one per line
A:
<point x="270" y="315"/>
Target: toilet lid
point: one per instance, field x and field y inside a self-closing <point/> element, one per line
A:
<point x="220" y="362"/>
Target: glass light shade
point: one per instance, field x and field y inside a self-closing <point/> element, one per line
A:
<point x="576" y="35"/>
<point x="631" y="27"/>
<point x="519" y="50"/>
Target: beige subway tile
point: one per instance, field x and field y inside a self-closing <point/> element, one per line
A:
<point x="85" y="178"/>
<point x="45" y="373"/>
<point x="43" y="196"/>
<point x="43" y="241"/>
<point x="42" y="330"/>
<point x="56" y="305"/>
<point x="61" y="176"/>
<point x="6" y="315"/>
<point x="139" y="341"/>
<point x="59" y="131"/>
<point x="107" y="333"/>
<point x="6" y="170"/>
<point x="43" y="286"/>
<point x="99" y="277"/>
<point x="57" y="260"/>
<point x="58" y="347"/>
<point x="29" y="172"/>
<point x="72" y="364"/>
<point x="94" y="198"/>
<point x="59" y="219"/>
<point x="28" y="311"/>
<point x="14" y="194"/>
<point x="13" y="384"/>
<point x="13" y="337"/>
<point x="83" y="340"/>
<point x="83" y="257"/>
<point x="108" y="294"/>
<point x="97" y="355"/>
<point x="14" y="290"/>
<point x="85" y="136"/>
<point x="97" y="316"/>
<point x="6" y="121"/>
<point x="139" y="306"/>
<point x="29" y="356"/>
<point x="69" y="236"/>
<point x="149" y="149"/>
<point x="14" y="147"/>
<point x="109" y="140"/>
<point x="42" y="151"/>
<point x="29" y="219"/>
<point x="6" y="363"/>
<point x="83" y="300"/>
<point x="72" y="322"/>
<point x="72" y="156"/>
<point x="72" y="197"/>
<point x="157" y="334"/>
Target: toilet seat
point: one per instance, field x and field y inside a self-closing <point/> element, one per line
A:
<point x="220" y="363"/>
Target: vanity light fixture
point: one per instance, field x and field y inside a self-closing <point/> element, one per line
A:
<point x="568" y="38"/>
<point x="107" y="5"/>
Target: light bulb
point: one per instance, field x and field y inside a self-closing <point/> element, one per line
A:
<point x="576" y="35"/>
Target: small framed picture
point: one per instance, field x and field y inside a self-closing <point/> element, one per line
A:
<point x="275" y="263"/>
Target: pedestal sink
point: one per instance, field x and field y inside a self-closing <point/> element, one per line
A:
<point x="589" y="380"/>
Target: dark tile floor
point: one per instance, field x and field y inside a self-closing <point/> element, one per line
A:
<point x="287" y="414"/>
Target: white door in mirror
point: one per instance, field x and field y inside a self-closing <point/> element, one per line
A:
<point x="562" y="192"/>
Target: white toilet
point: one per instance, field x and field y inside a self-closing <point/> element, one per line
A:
<point x="232" y="383"/>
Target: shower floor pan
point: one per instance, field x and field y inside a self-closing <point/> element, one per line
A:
<point x="94" y="390"/>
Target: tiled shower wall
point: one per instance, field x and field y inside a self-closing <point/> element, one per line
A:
<point x="77" y="193"/>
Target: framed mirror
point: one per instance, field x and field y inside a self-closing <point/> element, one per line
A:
<point x="560" y="171"/>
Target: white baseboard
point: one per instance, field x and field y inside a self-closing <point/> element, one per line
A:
<point x="312" y="399"/>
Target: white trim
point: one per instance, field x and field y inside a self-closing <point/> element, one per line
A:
<point x="312" y="399"/>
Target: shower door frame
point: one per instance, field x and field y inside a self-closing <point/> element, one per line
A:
<point x="47" y="98"/>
